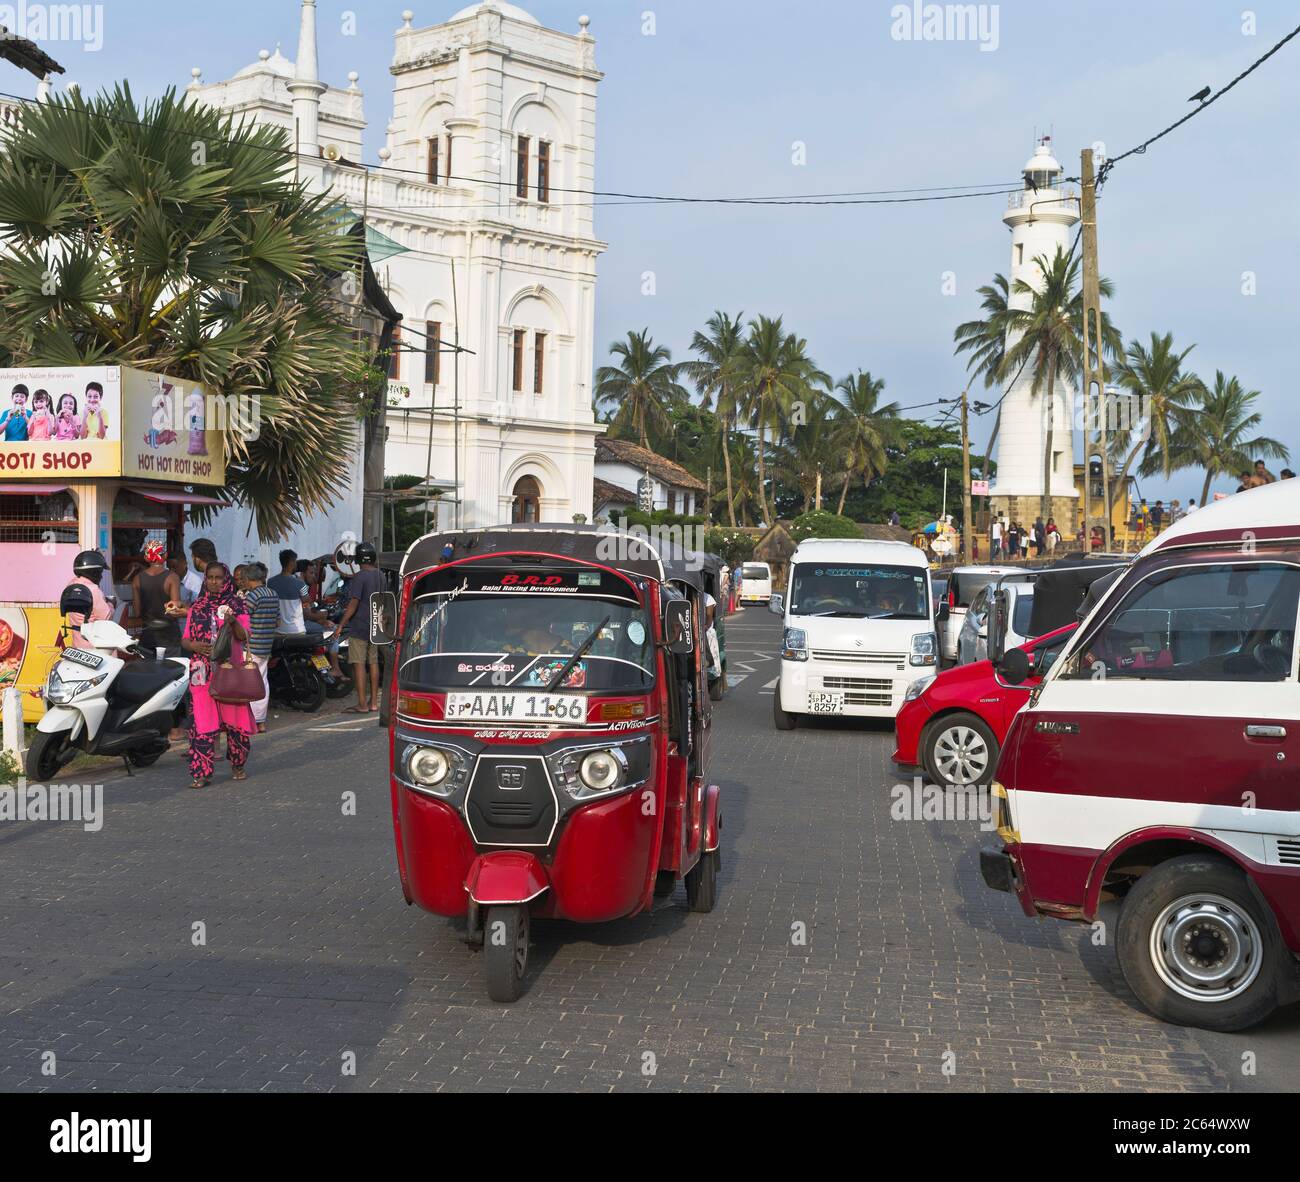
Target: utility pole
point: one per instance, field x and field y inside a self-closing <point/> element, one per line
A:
<point x="967" y="526"/>
<point x="1094" y="364"/>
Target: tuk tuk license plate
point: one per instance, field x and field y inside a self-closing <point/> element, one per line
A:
<point x="321" y="663"/>
<point x="825" y="703"/>
<point x="517" y="707"/>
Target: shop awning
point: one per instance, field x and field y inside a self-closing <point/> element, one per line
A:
<point x="20" y="490"/>
<point x="166" y="496"/>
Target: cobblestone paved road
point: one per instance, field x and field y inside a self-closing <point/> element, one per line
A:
<point x="312" y="956"/>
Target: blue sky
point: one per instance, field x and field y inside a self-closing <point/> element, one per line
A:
<point x="712" y="103"/>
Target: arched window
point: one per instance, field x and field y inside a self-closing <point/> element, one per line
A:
<point x="527" y="503"/>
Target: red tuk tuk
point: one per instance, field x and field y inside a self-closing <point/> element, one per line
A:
<point x="549" y="731"/>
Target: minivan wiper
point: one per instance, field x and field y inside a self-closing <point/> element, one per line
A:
<point x="841" y="611"/>
<point x="577" y="656"/>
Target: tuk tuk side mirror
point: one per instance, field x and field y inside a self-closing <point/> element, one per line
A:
<point x="943" y="613"/>
<point x="1014" y="666"/>
<point x="776" y="605"/>
<point x="383" y="617"/>
<point x="679" y="633"/>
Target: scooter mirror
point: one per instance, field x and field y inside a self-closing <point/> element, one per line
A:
<point x="1014" y="666"/>
<point x="776" y="605"/>
<point x="383" y="617"/>
<point x="678" y="633"/>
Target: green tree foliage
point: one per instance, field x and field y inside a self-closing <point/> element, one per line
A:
<point x="822" y="523"/>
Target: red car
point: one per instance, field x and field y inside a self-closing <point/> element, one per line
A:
<point x="952" y="725"/>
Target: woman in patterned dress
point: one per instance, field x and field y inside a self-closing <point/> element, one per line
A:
<point x="217" y="602"/>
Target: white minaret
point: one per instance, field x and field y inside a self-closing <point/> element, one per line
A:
<point x="1040" y="218"/>
<point x="306" y="86"/>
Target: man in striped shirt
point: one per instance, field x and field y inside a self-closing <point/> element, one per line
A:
<point x="264" y="617"/>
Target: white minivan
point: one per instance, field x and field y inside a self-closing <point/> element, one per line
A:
<point x="755" y="583"/>
<point x="859" y="629"/>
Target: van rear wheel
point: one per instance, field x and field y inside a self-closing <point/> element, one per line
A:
<point x="782" y="719"/>
<point x="1197" y="947"/>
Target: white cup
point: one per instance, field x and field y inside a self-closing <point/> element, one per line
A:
<point x="161" y="653"/>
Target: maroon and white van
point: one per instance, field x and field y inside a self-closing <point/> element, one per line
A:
<point x="1158" y="764"/>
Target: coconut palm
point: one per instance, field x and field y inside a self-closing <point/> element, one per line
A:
<point x="778" y="378"/>
<point x="1047" y="336"/>
<point x="716" y="374"/>
<point x="1159" y="388"/>
<point x="743" y="499"/>
<point x="985" y="342"/>
<point x="642" y="386"/>
<point x="1213" y="433"/>
<point x="172" y="238"/>
<point x="809" y="449"/>
<point x="865" y="429"/>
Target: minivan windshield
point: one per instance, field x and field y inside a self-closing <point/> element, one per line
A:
<point x="875" y="592"/>
<point x="513" y="626"/>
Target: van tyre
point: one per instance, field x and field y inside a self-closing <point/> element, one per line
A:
<point x="1197" y="947"/>
<point x="47" y="754"/>
<point x="702" y="882"/>
<point x="959" y="750"/>
<point x="505" y="949"/>
<point x="782" y="719"/>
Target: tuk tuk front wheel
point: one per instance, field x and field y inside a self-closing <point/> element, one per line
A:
<point x="505" y="950"/>
<point x="702" y="882"/>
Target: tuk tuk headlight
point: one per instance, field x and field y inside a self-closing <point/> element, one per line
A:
<point x="436" y="771"/>
<point x="586" y="773"/>
<point x="925" y="651"/>
<point x="601" y="770"/>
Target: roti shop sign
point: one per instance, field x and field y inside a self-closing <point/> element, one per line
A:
<point x="50" y="461"/>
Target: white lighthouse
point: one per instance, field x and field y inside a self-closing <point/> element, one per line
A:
<point x="1040" y="217"/>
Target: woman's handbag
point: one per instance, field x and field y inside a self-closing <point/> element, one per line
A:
<point x="236" y="684"/>
<point x="223" y="644"/>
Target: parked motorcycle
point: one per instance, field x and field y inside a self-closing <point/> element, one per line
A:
<point x="102" y="704"/>
<point x="296" y="671"/>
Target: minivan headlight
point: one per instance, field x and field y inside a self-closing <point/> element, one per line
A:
<point x="794" y="645"/>
<point x="925" y="650"/>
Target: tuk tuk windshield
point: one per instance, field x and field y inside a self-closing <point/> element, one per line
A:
<point x="516" y="626"/>
<point x="862" y="592"/>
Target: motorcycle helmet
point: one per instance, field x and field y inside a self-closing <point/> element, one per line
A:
<point x="76" y="599"/>
<point x="89" y="564"/>
<point x="365" y="553"/>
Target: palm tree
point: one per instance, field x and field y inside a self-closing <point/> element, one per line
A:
<point x="1048" y="335"/>
<point x="865" y="429"/>
<point x="985" y="340"/>
<point x="642" y="386"/>
<point x="803" y="455"/>
<point x="1211" y="432"/>
<point x="1160" y="388"/>
<point x="743" y="498"/>
<point x="717" y="373"/>
<point x="778" y="374"/>
<point x="124" y="244"/>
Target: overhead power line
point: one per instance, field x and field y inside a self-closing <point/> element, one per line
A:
<point x="1141" y="148"/>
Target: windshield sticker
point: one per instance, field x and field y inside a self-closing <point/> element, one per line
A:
<point x="636" y="632"/>
<point x="588" y="578"/>
<point x="545" y="674"/>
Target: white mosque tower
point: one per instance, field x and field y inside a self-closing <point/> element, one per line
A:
<point x="1040" y="218"/>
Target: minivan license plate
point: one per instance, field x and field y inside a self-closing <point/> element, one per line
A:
<point x="825" y="703"/>
<point x="517" y="707"/>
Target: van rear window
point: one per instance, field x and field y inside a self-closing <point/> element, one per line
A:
<point x="755" y="570"/>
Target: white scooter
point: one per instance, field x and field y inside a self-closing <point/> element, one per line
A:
<point x="103" y="705"/>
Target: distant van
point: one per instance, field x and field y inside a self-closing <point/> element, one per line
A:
<point x="859" y="629"/>
<point x="755" y="583"/>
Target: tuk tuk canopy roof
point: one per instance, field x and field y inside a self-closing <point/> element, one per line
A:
<point x="630" y="553"/>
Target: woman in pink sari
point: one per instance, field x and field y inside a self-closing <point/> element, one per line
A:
<point x="217" y="603"/>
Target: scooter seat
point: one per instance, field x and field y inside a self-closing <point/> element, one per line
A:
<point x="140" y="680"/>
